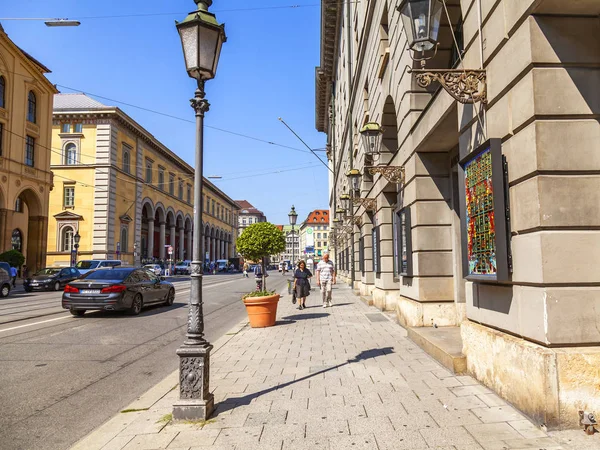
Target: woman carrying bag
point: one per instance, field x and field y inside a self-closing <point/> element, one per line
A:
<point x="302" y="284"/>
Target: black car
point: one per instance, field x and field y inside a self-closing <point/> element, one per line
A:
<point x="51" y="279"/>
<point x="116" y="289"/>
<point x="5" y="279"/>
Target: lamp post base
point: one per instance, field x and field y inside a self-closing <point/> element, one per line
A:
<point x="195" y="400"/>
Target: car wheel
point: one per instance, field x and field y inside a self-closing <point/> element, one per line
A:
<point x="5" y="290"/>
<point x="57" y="286"/>
<point x="136" y="305"/>
<point x="170" y="297"/>
<point x="77" y="312"/>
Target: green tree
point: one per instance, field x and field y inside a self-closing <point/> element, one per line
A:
<point x="260" y="240"/>
<point x="13" y="257"/>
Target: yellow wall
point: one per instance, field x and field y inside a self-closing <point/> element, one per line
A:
<point x="17" y="180"/>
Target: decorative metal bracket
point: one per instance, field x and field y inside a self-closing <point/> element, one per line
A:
<point x="394" y="174"/>
<point x="466" y="86"/>
<point x="356" y="220"/>
<point x="370" y="204"/>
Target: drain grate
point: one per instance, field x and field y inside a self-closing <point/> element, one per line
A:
<point x="377" y="317"/>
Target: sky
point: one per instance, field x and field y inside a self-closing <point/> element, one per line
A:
<point x="266" y="71"/>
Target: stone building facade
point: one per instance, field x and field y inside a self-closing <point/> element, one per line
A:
<point x="248" y="215"/>
<point x="25" y="141"/>
<point x="542" y="320"/>
<point x="126" y="194"/>
<point x="314" y="234"/>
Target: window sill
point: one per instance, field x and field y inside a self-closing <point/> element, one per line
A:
<point x="70" y="135"/>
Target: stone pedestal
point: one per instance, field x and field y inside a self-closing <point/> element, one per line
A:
<point x="195" y="400"/>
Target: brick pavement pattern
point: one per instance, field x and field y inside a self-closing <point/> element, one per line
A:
<point x="333" y="378"/>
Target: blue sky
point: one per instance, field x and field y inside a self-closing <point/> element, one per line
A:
<point x="266" y="71"/>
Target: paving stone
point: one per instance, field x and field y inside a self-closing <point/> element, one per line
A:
<point x="401" y="440"/>
<point x="150" y="441"/>
<point x="447" y="418"/>
<point x="285" y="431"/>
<point x="527" y="429"/>
<point x="538" y="443"/>
<point x="438" y="437"/>
<point x="327" y="428"/>
<point x="358" y="442"/>
<point x="264" y="418"/>
<point x="239" y="435"/>
<point x="497" y="414"/>
<point x="467" y="402"/>
<point x="306" y="444"/>
<point x="488" y="432"/>
<point x="366" y="425"/>
<point x="491" y="399"/>
<point x="199" y="438"/>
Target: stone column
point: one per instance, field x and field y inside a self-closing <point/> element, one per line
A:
<point x="3" y="231"/>
<point x="181" y="243"/>
<point x="213" y="249"/>
<point x="150" y="239"/>
<point x="188" y="245"/>
<point x="161" y="241"/>
<point x="222" y="255"/>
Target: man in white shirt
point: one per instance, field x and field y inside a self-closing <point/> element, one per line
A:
<point x="325" y="279"/>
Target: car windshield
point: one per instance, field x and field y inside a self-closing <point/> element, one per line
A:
<point x="48" y="271"/>
<point x="108" y="274"/>
<point x="85" y="265"/>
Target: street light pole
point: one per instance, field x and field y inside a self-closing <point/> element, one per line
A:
<point x="202" y="38"/>
<point x="293" y="215"/>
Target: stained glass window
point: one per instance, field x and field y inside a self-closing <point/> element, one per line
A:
<point x="480" y="219"/>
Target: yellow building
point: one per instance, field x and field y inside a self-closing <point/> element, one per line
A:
<point x="126" y="194"/>
<point x="25" y="177"/>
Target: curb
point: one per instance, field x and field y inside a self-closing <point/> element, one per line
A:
<point x="111" y="429"/>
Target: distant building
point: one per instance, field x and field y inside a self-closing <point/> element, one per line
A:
<point x="314" y="233"/>
<point x="25" y="150"/>
<point x="248" y="215"/>
<point x="292" y="245"/>
<point x="127" y="195"/>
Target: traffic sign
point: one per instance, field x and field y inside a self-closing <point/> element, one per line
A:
<point x="170" y="250"/>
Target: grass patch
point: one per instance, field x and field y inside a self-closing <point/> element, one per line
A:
<point x="198" y="423"/>
<point x="134" y="410"/>
<point x="165" y="419"/>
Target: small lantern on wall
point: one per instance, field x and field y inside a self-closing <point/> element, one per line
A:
<point x="354" y="176"/>
<point x="421" y="20"/>
<point x="345" y="200"/>
<point x="372" y="136"/>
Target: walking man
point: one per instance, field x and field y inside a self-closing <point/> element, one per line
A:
<point x="325" y="279"/>
<point x="13" y="275"/>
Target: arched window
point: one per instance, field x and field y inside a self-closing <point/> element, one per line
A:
<point x="123" y="240"/>
<point x="70" y="154"/>
<point x="66" y="239"/>
<point x="126" y="161"/>
<point x="19" y="205"/>
<point x="31" y="107"/>
<point x="2" y="90"/>
<point x="17" y="240"/>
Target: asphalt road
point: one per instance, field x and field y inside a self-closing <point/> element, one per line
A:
<point x="61" y="377"/>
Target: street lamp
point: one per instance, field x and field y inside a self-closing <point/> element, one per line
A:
<point x="201" y="38"/>
<point x="354" y="177"/>
<point x="76" y="239"/>
<point x="421" y="20"/>
<point x="293" y="215"/>
<point x="345" y="200"/>
<point x="372" y="136"/>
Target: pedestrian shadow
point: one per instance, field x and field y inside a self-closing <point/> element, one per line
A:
<point x="284" y="322"/>
<point x="333" y="305"/>
<point x="234" y="402"/>
<point x="306" y="316"/>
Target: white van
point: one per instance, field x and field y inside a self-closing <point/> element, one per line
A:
<point x="222" y="265"/>
<point x="85" y="265"/>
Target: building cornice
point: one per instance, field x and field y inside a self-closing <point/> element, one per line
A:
<point x="331" y="13"/>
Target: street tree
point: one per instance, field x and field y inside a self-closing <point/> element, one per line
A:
<point x="260" y="240"/>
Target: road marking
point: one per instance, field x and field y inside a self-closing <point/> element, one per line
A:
<point x="35" y="323"/>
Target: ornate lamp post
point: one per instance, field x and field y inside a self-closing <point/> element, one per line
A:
<point x="201" y="37"/>
<point x="421" y="20"/>
<point x="293" y="215"/>
<point x="76" y="239"/>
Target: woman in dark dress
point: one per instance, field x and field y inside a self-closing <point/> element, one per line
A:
<point x="301" y="284"/>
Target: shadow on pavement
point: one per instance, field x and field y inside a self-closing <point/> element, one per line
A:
<point x="306" y="316"/>
<point x="233" y="402"/>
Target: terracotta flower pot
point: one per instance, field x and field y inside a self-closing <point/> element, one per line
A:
<point x="262" y="311"/>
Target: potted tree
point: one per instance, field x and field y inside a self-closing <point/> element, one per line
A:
<point x="256" y="243"/>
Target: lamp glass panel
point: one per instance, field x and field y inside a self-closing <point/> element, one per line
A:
<point x="434" y="21"/>
<point x="208" y="39"/>
<point x="189" y="41"/>
<point x="218" y="53"/>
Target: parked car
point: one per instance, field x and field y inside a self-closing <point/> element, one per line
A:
<point x="5" y="279"/>
<point x="51" y="278"/>
<point x="222" y="265"/>
<point x="84" y="266"/>
<point x="116" y="289"/>
<point x="183" y="268"/>
<point x="154" y="268"/>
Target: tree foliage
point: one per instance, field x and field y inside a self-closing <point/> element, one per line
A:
<point x="13" y="257"/>
<point x="260" y="240"/>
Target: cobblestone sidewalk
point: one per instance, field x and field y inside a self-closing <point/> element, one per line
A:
<point x="345" y="377"/>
